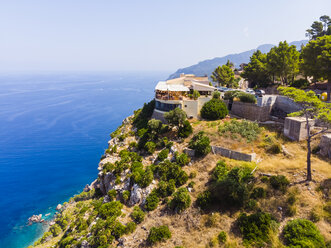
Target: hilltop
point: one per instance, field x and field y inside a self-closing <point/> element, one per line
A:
<point x="152" y="191"/>
<point x="206" y="67"/>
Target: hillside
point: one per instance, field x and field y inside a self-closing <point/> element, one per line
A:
<point x="206" y="67"/>
<point x="135" y="190"/>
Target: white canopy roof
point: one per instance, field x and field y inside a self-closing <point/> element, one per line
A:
<point x="163" y="86"/>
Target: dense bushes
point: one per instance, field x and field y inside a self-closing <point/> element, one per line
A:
<point x="204" y="200"/>
<point x="214" y="109"/>
<point x="140" y="176"/>
<point x="246" y="97"/>
<point x="279" y="182"/>
<point x="182" y="159"/>
<point x="141" y="116"/>
<point x="222" y="237"/>
<point x="152" y="201"/>
<point x="302" y="233"/>
<point x="163" y="154"/>
<point x="158" y="234"/>
<point x="220" y="171"/>
<point x="200" y="143"/>
<point x="167" y="171"/>
<point x="110" y="209"/>
<point x="175" y="117"/>
<point x="234" y="188"/>
<point x="246" y="129"/>
<point x="137" y="215"/>
<point x="165" y="189"/>
<point x="256" y="228"/>
<point x="150" y="147"/>
<point x="185" y="130"/>
<point x="181" y="200"/>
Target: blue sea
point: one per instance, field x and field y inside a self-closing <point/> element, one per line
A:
<point x="54" y="127"/>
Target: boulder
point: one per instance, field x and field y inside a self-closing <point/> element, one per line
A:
<point x="35" y="219"/>
<point x="85" y="244"/>
<point x="58" y="207"/>
<point x="136" y="195"/>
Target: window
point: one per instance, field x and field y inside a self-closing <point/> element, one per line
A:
<point x="166" y="106"/>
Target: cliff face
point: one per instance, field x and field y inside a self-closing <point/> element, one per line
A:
<point x="138" y="200"/>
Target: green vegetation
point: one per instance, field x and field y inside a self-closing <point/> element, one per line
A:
<point x="246" y="129"/>
<point x="112" y="194"/>
<point x="143" y="177"/>
<point x="141" y="116"/>
<point x="302" y="233"/>
<point x="224" y="76"/>
<point x="158" y="234"/>
<point x="163" y="154"/>
<point x="204" y="200"/>
<point x="167" y="171"/>
<point x="201" y="144"/>
<point x="152" y="201"/>
<point x="214" y="109"/>
<point x="185" y="130"/>
<point x="256" y="228"/>
<point x="150" y="147"/>
<point x="165" y="189"/>
<point x="222" y="237"/>
<point x="234" y="188"/>
<point x="182" y="159"/>
<point x="195" y="94"/>
<point x="55" y="230"/>
<point x="137" y="215"/>
<point x="216" y="95"/>
<point x="175" y="117"/>
<point x="279" y="182"/>
<point x="246" y="97"/>
<point x="181" y="200"/>
<point x="319" y="28"/>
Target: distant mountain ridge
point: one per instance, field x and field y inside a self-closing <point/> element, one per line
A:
<point x="206" y="67"/>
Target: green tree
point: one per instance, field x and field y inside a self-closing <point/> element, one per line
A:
<point x="313" y="108"/>
<point x="175" y="117"/>
<point x="316" y="60"/>
<point x="223" y="75"/>
<point x="319" y="28"/>
<point x="256" y="71"/>
<point x="283" y="61"/>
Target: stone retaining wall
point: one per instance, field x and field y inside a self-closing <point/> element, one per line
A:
<point x="251" y="111"/>
<point x="233" y="154"/>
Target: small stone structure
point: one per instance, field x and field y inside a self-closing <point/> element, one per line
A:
<point x="251" y="111"/>
<point x="295" y="128"/>
<point x="325" y="145"/>
<point x="233" y="154"/>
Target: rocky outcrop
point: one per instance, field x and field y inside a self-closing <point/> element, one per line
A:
<point x="138" y="195"/>
<point x="35" y="219"/>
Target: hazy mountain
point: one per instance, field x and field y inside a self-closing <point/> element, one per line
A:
<point x="208" y="66"/>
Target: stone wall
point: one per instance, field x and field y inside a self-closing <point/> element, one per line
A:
<point x="158" y="115"/>
<point x="251" y="111"/>
<point x="286" y="104"/>
<point x="295" y="128"/>
<point x="233" y="154"/>
<point x="325" y="145"/>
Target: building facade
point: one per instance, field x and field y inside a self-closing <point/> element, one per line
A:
<point x="178" y="93"/>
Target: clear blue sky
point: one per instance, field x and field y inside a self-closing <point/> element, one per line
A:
<point x="109" y="35"/>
